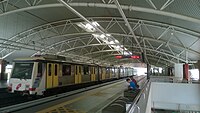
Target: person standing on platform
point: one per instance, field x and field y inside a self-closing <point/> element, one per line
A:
<point x="131" y="84"/>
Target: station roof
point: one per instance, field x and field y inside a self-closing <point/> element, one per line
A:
<point x="166" y="31"/>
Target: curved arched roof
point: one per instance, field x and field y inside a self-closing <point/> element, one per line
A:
<point x="166" y="31"/>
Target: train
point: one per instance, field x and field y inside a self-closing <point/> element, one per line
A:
<point x="36" y="75"/>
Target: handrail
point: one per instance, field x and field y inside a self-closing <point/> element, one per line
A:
<point x="172" y="79"/>
<point x="135" y="101"/>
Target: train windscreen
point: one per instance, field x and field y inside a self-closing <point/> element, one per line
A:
<point x="22" y="70"/>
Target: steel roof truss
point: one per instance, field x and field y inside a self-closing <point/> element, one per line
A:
<point x="121" y="27"/>
<point x="145" y="52"/>
<point x="127" y="23"/>
<point x="106" y="28"/>
<point x="31" y="31"/>
<point x="138" y="24"/>
<point x="110" y="25"/>
<point x="151" y="4"/>
<point x="166" y="4"/>
<point x="142" y="22"/>
<point x="163" y="33"/>
<point x="4" y="5"/>
<point x="66" y="28"/>
<point x="179" y="40"/>
<point x="90" y="40"/>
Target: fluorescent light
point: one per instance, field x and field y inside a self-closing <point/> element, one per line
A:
<point x="87" y="27"/>
<point x="112" y="42"/>
<point x="118" y="46"/>
<point x="102" y="36"/>
<point x="90" y="27"/>
<point x="106" y="38"/>
<point x="95" y="24"/>
<point x="96" y="35"/>
<point x="116" y="41"/>
<point x="108" y="34"/>
<point x="126" y="53"/>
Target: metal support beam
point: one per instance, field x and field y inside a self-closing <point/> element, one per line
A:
<point x="151" y="3"/>
<point x="111" y="6"/>
<point x="85" y="19"/>
<point x="79" y="15"/>
<point x="127" y="23"/>
<point x="163" y="33"/>
<point x="167" y="3"/>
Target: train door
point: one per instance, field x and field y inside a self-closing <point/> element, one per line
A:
<point x="80" y="74"/>
<point x="98" y="73"/>
<point x="103" y="73"/>
<point x="77" y="74"/>
<point x="52" y="75"/>
<point x="49" y="77"/>
<point x="93" y="74"/>
<point x="55" y="75"/>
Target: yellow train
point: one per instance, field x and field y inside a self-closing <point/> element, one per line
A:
<point x="37" y="75"/>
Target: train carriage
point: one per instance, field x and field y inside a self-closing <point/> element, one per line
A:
<point x="36" y="75"/>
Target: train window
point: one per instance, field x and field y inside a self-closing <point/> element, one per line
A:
<point x="39" y="69"/>
<point x="22" y="70"/>
<point x="107" y="70"/>
<point x="85" y="69"/>
<point x="49" y="69"/>
<point x="56" y="69"/>
<point x="66" y="70"/>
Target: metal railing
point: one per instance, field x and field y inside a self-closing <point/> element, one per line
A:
<point x="134" y="105"/>
<point x="172" y="79"/>
<point x="180" y="107"/>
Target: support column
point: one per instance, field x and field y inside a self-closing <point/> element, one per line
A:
<point x="3" y="64"/>
<point x="168" y="72"/>
<point x="148" y="71"/>
<point x="186" y="72"/>
<point x="198" y="64"/>
<point x="178" y="68"/>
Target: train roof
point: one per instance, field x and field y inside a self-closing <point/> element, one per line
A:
<point x="49" y="58"/>
<point x="54" y="58"/>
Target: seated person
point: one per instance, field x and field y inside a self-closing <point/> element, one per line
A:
<point x="134" y="81"/>
<point x="131" y="83"/>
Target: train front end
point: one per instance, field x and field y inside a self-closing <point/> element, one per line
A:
<point x="21" y="78"/>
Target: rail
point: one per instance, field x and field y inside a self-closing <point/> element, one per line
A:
<point x="28" y="104"/>
<point x="135" y="101"/>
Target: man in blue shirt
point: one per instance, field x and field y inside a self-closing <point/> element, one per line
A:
<point x="131" y="83"/>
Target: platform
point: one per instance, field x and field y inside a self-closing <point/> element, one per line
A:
<point x="92" y="101"/>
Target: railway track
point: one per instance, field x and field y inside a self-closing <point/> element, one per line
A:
<point x="9" y="99"/>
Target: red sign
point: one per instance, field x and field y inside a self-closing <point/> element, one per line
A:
<point x="135" y="57"/>
<point x="127" y="56"/>
<point x="118" y="57"/>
